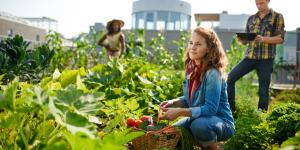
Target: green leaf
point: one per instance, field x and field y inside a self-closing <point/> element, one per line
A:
<point x="69" y="96"/>
<point x="76" y="119"/>
<point x="132" y="104"/>
<point x="88" y="105"/>
<point x="144" y="80"/>
<point x="45" y="81"/>
<point x="65" y="120"/>
<point x="120" y="67"/>
<point x="80" y="141"/>
<point x="7" y="101"/>
<point x="82" y="71"/>
<point x="1" y="77"/>
<point x="121" y="138"/>
<point x="80" y="84"/>
<point x="117" y="91"/>
<point x="98" y="68"/>
<point x="9" y="120"/>
<point x="113" y="123"/>
<point x="68" y="77"/>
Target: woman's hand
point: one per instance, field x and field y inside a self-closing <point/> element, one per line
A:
<point x="170" y="113"/>
<point x="166" y="104"/>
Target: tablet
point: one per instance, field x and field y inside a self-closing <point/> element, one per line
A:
<point x="246" y="36"/>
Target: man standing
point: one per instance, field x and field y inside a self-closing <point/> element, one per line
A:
<point x="269" y="26"/>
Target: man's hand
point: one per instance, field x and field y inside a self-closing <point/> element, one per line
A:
<point x="242" y="41"/>
<point x="260" y="39"/>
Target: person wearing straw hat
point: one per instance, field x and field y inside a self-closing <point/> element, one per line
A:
<point x="114" y="39"/>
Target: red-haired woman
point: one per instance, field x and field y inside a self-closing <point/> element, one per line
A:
<point x="204" y="103"/>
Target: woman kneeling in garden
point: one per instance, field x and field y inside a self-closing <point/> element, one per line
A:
<point x="204" y="102"/>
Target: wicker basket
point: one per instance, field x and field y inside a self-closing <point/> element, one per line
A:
<point x="167" y="137"/>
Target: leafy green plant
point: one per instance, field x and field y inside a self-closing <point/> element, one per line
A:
<point x="236" y="53"/>
<point x="18" y="60"/>
<point x="181" y="45"/>
<point x="286" y="121"/>
<point x="60" y="59"/>
<point x="288" y="96"/>
<point x="292" y="143"/>
<point x="159" y="54"/>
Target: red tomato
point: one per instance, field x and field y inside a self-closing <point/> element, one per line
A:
<point x="144" y="118"/>
<point x="131" y="122"/>
<point x="138" y="122"/>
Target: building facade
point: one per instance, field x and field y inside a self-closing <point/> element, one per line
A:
<point x="44" y="23"/>
<point x="161" y="15"/>
<point x="168" y="17"/>
<point x="11" y="25"/>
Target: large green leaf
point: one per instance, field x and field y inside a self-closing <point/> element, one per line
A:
<point x="76" y="119"/>
<point x="80" y="141"/>
<point x="132" y="104"/>
<point x="7" y="101"/>
<point x="121" y="138"/>
<point x="69" y="96"/>
<point x="80" y="85"/>
<point x="71" y="120"/>
<point x="68" y="77"/>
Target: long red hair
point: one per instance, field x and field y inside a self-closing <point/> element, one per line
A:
<point x="215" y="57"/>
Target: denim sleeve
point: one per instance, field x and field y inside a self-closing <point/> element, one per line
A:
<point x="212" y="96"/>
<point x="183" y="101"/>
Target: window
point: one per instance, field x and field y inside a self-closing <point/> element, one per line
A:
<point x="37" y="38"/>
<point x="174" y="23"/>
<point x="10" y="33"/>
<point x="184" y="22"/>
<point x="162" y="19"/>
<point x="150" y="21"/>
<point x="133" y="21"/>
<point x="140" y="21"/>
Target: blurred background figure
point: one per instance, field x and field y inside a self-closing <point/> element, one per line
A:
<point x="114" y="39"/>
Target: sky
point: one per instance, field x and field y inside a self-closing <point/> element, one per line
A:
<point x="75" y="16"/>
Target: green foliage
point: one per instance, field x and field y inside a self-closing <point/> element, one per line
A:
<point x="286" y="121"/>
<point x="273" y="128"/>
<point x="130" y="45"/>
<point x="292" y="143"/>
<point x="181" y="44"/>
<point x="236" y="53"/>
<point x="17" y="60"/>
<point x="141" y="43"/>
<point x="289" y="96"/>
<point x="61" y="57"/>
<point x="286" y="126"/>
<point x="187" y="140"/>
<point x="87" y="108"/>
<point x="134" y="78"/>
<point x="282" y="110"/>
<point x="158" y="54"/>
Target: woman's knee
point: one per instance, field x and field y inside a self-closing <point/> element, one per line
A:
<point x="202" y="131"/>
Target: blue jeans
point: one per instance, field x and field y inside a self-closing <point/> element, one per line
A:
<point x="263" y="69"/>
<point x="207" y="129"/>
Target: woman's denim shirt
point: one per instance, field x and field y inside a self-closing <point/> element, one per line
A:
<point x="210" y="97"/>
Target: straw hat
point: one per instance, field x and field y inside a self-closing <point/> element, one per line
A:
<point x="109" y="23"/>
